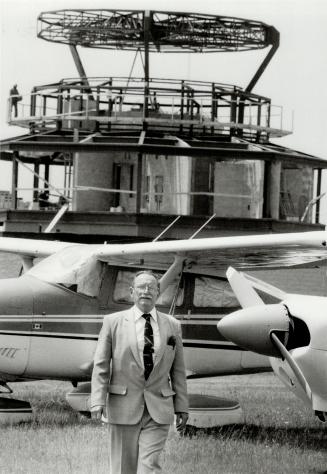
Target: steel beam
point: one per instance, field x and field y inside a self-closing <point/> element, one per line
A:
<point x="201" y="152"/>
<point x="147" y="25"/>
<point x="78" y="63"/>
<point x="139" y="183"/>
<point x="274" y="40"/>
<point x="14" y="180"/>
<point x="80" y="69"/>
<point x="36" y="182"/>
<point x="318" y="193"/>
<point x="46" y="175"/>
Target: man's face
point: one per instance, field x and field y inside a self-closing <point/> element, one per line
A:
<point x="145" y="292"/>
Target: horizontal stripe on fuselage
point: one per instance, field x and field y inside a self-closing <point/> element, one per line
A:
<point x="194" y="332"/>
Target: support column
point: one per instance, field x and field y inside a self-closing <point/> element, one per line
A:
<point x="80" y="67"/>
<point x="272" y="189"/>
<point x="147" y="22"/>
<point x="14" y="180"/>
<point x="46" y="174"/>
<point x="273" y="38"/>
<point x="318" y="192"/>
<point x="233" y="112"/>
<point x="139" y="183"/>
<point x="36" y="181"/>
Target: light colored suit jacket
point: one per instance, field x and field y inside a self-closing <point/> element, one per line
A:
<point x="118" y="372"/>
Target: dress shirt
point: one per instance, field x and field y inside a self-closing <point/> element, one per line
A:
<point x="139" y="327"/>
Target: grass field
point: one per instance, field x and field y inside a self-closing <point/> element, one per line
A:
<point x="279" y="435"/>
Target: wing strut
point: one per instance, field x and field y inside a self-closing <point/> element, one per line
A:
<point x="173" y="271"/>
<point x="165" y="230"/>
<point x="202" y="227"/>
<point x="173" y="303"/>
<point x="56" y="218"/>
<point x="176" y="268"/>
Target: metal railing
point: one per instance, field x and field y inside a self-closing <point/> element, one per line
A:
<point x="79" y="103"/>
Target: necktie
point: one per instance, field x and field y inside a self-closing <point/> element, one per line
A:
<point x="148" y="346"/>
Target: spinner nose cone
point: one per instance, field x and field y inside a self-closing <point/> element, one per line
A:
<point x="251" y="327"/>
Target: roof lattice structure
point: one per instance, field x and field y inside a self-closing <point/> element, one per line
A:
<point x="167" y="31"/>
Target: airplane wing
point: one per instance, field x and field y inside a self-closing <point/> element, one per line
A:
<point x="267" y="250"/>
<point x="31" y="247"/>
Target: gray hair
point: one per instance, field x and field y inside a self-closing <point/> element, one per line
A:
<point x="146" y="272"/>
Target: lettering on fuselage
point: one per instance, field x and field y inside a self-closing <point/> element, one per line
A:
<point x="9" y="352"/>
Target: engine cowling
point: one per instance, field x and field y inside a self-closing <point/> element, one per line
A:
<point x="251" y="327"/>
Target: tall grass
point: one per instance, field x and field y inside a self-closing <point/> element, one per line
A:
<point x="279" y="435"/>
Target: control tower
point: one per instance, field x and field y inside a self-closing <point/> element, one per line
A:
<point x="138" y="151"/>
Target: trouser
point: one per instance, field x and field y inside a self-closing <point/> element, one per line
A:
<point x="135" y="449"/>
<point x="14" y="106"/>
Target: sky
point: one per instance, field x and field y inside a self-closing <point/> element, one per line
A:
<point x="295" y="79"/>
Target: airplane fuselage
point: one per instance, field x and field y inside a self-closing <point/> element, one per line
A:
<point x="50" y="330"/>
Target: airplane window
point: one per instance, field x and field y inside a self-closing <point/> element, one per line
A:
<point x="122" y="290"/>
<point x="73" y="267"/>
<point x="213" y="292"/>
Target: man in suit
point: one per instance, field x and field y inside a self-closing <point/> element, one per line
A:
<point x="139" y="364"/>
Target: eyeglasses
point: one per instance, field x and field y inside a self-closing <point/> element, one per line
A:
<point x="145" y="286"/>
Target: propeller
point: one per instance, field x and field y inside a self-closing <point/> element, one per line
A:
<point x="264" y="329"/>
<point x="243" y="289"/>
<point x="285" y="354"/>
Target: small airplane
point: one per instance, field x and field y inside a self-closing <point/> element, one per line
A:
<point x="292" y="332"/>
<point x="51" y="315"/>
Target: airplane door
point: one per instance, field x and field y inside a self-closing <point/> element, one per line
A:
<point x="206" y="350"/>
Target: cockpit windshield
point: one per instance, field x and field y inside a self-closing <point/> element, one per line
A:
<point x="74" y="267"/>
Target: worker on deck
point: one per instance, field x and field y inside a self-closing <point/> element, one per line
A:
<point x="14" y="99"/>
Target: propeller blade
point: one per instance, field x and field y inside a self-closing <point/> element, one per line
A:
<point x="293" y="365"/>
<point x="265" y="287"/>
<point x="243" y="289"/>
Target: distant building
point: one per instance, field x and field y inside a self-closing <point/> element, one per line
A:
<point x="6" y="201"/>
<point x="140" y="150"/>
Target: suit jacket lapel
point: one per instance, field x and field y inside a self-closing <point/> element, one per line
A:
<point x="132" y="341"/>
<point x="163" y="332"/>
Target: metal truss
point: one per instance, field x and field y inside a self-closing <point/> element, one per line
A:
<point x="164" y="32"/>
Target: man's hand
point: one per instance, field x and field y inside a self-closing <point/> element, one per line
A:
<point x="181" y="420"/>
<point x="97" y="412"/>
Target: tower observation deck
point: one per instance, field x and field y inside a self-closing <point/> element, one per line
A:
<point x="141" y="146"/>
